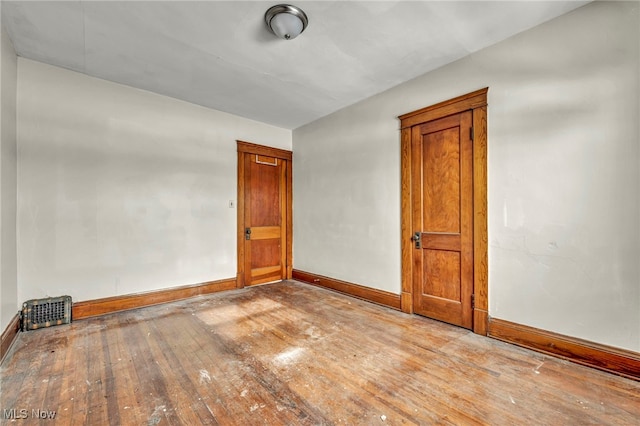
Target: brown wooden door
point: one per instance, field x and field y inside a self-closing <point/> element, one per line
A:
<point x="265" y="217"/>
<point x="442" y="188"/>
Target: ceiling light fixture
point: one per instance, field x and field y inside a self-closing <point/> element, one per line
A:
<point x="286" y="21"/>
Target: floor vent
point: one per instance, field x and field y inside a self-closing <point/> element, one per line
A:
<point x="41" y="313"/>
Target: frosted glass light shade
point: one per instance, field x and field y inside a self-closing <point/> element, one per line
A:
<point x="286" y="21"/>
<point x="286" y="26"/>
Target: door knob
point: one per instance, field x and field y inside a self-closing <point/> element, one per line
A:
<point x="417" y="239"/>
<point x="247" y="233"/>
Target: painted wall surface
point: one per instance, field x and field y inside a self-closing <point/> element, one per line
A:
<point x="8" y="165"/>
<point x="121" y="190"/>
<point x="564" y="181"/>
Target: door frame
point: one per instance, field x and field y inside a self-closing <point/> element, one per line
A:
<point x="248" y="148"/>
<point x="476" y="102"/>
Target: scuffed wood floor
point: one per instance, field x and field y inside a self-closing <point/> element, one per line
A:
<point x="294" y="354"/>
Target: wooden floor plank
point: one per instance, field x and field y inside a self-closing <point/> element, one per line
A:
<point x="293" y="354"/>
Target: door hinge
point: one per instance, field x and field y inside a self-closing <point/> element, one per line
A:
<point x="471" y="133"/>
<point x="473" y="301"/>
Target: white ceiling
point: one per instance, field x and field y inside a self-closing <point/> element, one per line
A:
<point x="221" y="55"/>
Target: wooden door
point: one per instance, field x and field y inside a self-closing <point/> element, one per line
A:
<point x="264" y="210"/>
<point x="442" y="180"/>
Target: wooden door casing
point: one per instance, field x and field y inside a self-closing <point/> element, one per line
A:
<point x="264" y="214"/>
<point x="476" y="104"/>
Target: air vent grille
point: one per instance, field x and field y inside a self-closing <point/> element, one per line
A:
<point x="41" y="313"/>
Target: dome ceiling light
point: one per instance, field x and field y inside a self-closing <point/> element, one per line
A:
<point x="286" y="21"/>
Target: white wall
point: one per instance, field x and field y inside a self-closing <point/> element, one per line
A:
<point x="564" y="181"/>
<point x="121" y="190"/>
<point x="8" y="164"/>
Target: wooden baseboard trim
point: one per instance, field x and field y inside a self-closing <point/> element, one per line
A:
<point x="9" y="336"/>
<point x="361" y="292"/>
<point x="92" y="308"/>
<point x="618" y="361"/>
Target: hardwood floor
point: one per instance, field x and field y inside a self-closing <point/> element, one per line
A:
<point x="290" y="353"/>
